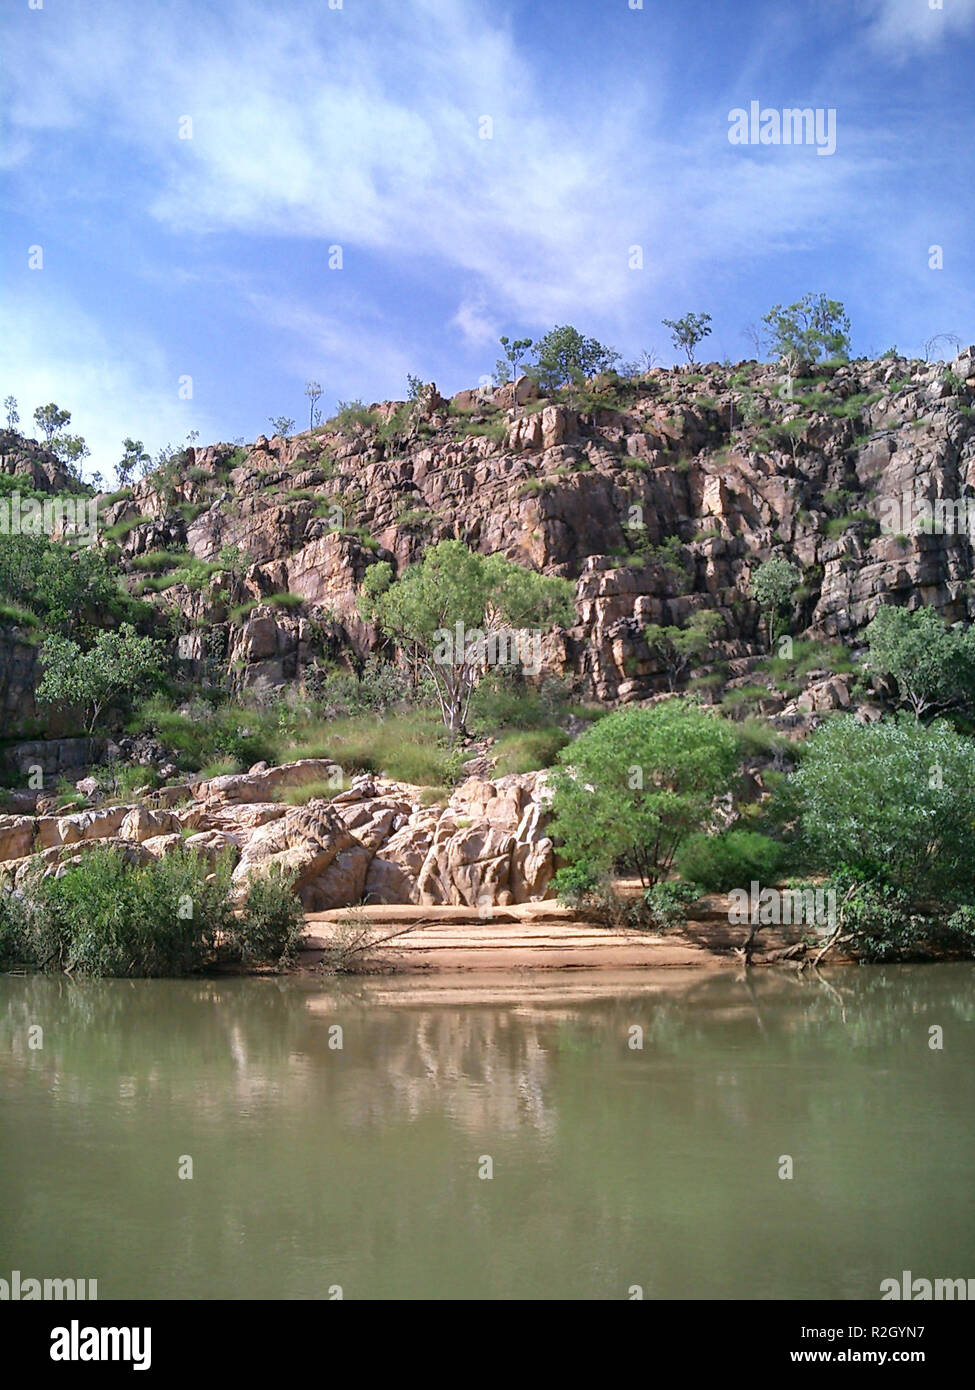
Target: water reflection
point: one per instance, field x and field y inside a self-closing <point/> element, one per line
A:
<point x="614" y="1163"/>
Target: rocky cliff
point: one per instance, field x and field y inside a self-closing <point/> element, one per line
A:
<point x="658" y="496"/>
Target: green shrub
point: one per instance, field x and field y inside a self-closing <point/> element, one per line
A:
<point x="121" y="529"/>
<point x="200" y="733"/>
<point x="271" y="923"/>
<point x="30" y="935"/>
<point x="895" y="802"/>
<point x="105" y="916"/>
<point x="638" y="782"/>
<point x="575" y="882"/>
<point x="505" y="700"/>
<point x="665" y="905"/>
<point x="380" y="686"/>
<point x="409" y="747"/>
<point x="881" y="922"/>
<point x="311" y="791"/>
<point x="158" y="561"/>
<point x="733" y="859"/>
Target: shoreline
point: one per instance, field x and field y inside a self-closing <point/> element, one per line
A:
<point x="536" y="936"/>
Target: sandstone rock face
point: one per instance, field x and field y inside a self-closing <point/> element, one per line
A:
<point x="374" y="842"/>
<point x="306" y="842"/>
<point x="489" y="847"/>
<point x="16" y="836"/>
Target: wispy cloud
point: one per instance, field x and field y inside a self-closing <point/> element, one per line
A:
<point x="901" y="27"/>
<point x="304" y="126"/>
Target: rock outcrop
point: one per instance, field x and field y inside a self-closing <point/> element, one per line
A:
<point x="729" y="464"/>
<point x="374" y="842"/>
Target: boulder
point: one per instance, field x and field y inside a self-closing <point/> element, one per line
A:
<point x="305" y="842"/>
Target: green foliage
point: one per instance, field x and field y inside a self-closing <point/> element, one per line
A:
<point x="134" y="461"/>
<point x="575" y="882"/>
<point x="353" y="416"/>
<point x="51" y="419"/>
<point x="411" y="746"/>
<point x="932" y="663"/>
<point x="70" y="449"/>
<point x="638" y="782"/>
<point x="687" y="332"/>
<point x="506" y="367"/>
<point x="121" y="529"/>
<point x="660" y="907"/>
<point x="812" y="328"/>
<point x="271" y="923"/>
<point x="71" y="591"/>
<point x="232" y="559"/>
<point x="504" y="699"/>
<point x="772" y="586"/>
<point x="380" y="686"/>
<point x="881" y="922"/>
<point x="484" y="594"/>
<point x="894" y="801"/>
<point x="679" y="648"/>
<point x="564" y="355"/>
<point x="105" y="916"/>
<point x="527" y="751"/>
<point x="109" y="916"/>
<point x="666" y="904"/>
<point x="200" y="732"/>
<point x="117" y="662"/>
<point x="806" y="656"/>
<point x="732" y="859"/>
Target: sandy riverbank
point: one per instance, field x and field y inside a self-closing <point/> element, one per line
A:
<point x="531" y="936"/>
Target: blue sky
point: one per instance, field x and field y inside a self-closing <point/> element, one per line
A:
<point x="359" y="127"/>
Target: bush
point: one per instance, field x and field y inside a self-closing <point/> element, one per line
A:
<point x="505" y="700"/>
<point x="105" y="916"/>
<point x="201" y="733"/>
<point x="575" y="882"/>
<point x="583" y="887"/>
<point x="528" y="751"/>
<point x="410" y="747"/>
<point x="894" y="801"/>
<point x="380" y="686"/>
<point x="271" y="923"/>
<point x="665" y="904"/>
<point x="638" y="782"/>
<point x="882" y="923"/>
<point x="733" y="859"/>
<point x="29" y="933"/>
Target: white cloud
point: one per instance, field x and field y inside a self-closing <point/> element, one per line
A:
<point x="902" y="26"/>
<point x="305" y="125"/>
<point x="477" y="326"/>
<point x="325" y="349"/>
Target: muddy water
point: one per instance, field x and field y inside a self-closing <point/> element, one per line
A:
<point x="504" y="1137"/>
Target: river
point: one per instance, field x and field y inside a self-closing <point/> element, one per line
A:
<point x="577" y="1135"/>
